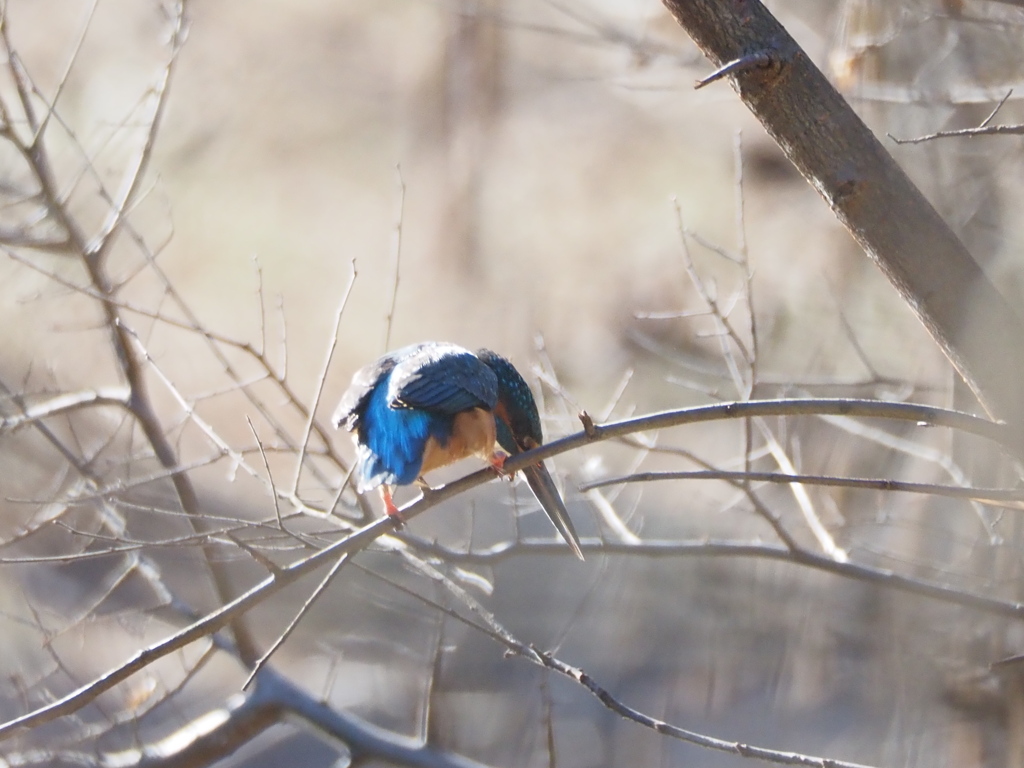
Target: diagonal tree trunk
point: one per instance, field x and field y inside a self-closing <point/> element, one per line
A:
<point x="871" y="195"/>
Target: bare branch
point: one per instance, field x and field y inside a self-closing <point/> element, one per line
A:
<point x="1012" y="498"/>
<point x="899" y="229"/>
<point x="66" y="403"/>
<point x="529" y="652"/>
<point x="674" y="548"/>
<point x="389" y="319"/>
<point x="362" y="739"/>
<point x="983" y="128"/>
<point x="299" y="614"/>
<point x="322" y="379"/>
<point x="135" y="172"/>
<point x="667" y="729"/>
<point x="433" y="496"/>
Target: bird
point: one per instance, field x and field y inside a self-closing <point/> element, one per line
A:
<point x="431" y="404"/>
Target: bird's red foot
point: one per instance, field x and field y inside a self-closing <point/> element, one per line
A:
<point x="498" y="465"/>
<point x="394" y="515"/>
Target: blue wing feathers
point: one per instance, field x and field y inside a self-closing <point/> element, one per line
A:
<point x="449" y="383"/>
<point x="397" y="403"/>
<point x="353" y="402"/>
<point x="392" y="440"/>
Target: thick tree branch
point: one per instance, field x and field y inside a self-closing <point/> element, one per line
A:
<point x="870" y="194"/>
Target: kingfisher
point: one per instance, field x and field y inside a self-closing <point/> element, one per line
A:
<point x="431" y="404"/>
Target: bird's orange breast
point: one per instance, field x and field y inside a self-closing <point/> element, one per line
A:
<point x="473" y="434"/>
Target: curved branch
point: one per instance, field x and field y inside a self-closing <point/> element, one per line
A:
<point x="1012" y="498"/>
<point x="365" y="536"/>
<point x="222" y="731"/>
<point x="737" y="748"/>
<point x="673" y="548"/>
<point x="59" y="404"/>
<point x="924" y="415"/>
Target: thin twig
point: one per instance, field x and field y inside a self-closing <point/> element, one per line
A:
<point x="982" y="129"/>
<point x="396" y="258"/>
<point x="65" y="403"/>
<point x="1012" y="498"/>
<point x="102" y="243"/>
<point x="270" y="475"/>
<point x="740" y="749"/>
<point x="299" y="614"/>
<point x="322" y="379"/>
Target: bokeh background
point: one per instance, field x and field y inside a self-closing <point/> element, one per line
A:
<point x="540" y="161"/>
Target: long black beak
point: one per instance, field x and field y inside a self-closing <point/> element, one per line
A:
<point x="544" y="489"/>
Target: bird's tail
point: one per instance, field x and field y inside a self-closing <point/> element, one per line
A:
<point x="543" y="487"/>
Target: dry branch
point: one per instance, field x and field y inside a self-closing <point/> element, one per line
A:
<point x="359" y="540"/>
<point x="870" y="194"/>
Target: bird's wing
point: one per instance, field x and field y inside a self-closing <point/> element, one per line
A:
<point x="443" y="378"/>
<point x="363" y="382"/>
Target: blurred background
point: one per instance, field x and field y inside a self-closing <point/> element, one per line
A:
<point x="540" y="178"/>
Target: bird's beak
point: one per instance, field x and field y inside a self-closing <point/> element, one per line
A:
<point x="543" y="487"/>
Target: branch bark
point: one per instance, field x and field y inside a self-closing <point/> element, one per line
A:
<point x="870" y="194"/>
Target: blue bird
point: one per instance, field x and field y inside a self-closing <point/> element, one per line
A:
<point x="432" y="404"/>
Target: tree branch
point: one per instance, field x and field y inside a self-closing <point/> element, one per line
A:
<point x="871" y="195"/>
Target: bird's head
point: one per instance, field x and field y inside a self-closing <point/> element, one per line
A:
<point x="515" y="413"/>
<point x="517" y="427"/>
